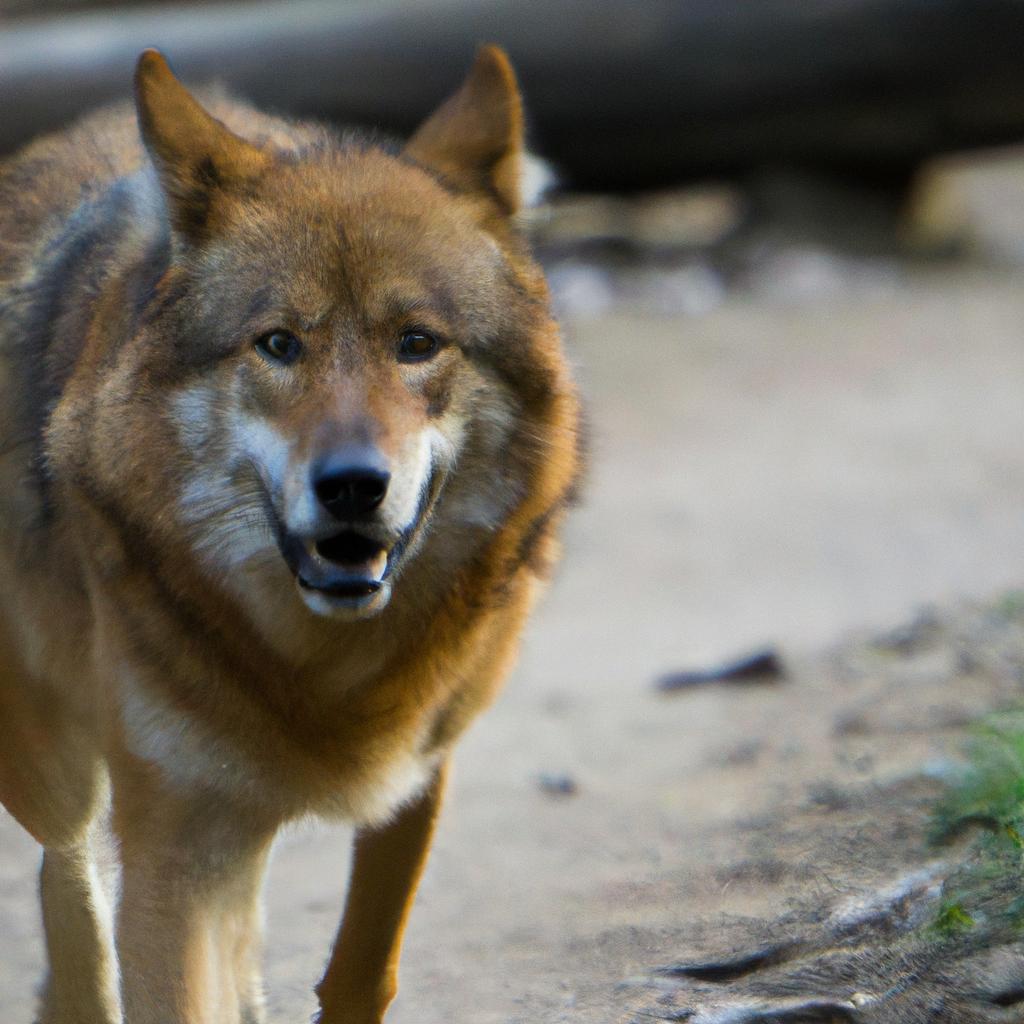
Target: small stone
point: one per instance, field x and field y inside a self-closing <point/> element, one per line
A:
<point x="763" y="666"/>
<point x="557" y="784"/>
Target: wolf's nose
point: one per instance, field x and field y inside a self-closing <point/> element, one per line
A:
<point x="350" y="483"/>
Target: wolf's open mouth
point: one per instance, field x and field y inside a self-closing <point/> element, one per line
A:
<point x="350" y="569"/>
<point x="349" y="548"/>
<point x="356" y="565"/>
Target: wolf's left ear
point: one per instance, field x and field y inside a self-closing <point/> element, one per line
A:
<point x="195" y="155"/>
<point x="475" y="138"/>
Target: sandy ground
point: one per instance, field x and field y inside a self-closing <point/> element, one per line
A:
<point x="763" y="473"/>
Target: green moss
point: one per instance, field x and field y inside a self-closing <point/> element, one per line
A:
<point x="991" y="791"/>
<point x="985" y="888"/>
<point x="952" y="918"/>
<point x="1011" y="604"/>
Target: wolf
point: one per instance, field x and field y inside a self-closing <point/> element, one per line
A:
<point x="287" y="435"/>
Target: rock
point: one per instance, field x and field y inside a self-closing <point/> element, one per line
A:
<point x="763" y="666"/>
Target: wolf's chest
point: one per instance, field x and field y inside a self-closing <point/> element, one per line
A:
<point x="363" y="779"/>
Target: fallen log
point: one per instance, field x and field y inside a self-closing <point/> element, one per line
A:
<point x="621" y="96"/>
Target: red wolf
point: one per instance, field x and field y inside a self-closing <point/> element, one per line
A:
<point x="287" y="434"/>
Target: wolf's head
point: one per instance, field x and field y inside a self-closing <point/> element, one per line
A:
<point x="346" y="348"/>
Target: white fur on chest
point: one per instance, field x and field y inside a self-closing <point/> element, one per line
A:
<point x="191" y="756"/>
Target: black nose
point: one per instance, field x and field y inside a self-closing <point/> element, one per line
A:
<point x="351" y="483"/>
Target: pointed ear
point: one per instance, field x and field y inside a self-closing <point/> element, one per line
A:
<point x="195" y="155"/>
<point x="475" y="138"/>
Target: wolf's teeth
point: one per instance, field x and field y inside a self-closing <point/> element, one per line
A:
<point x="377" y="566"/>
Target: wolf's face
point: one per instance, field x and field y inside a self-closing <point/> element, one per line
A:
<point x="339" y="369"/>
<point x="340" y="357"/>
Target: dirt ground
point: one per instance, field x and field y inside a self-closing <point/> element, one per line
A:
<point x="764" y="471"/>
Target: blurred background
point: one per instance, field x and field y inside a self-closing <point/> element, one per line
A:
<point x="786" y="243"/>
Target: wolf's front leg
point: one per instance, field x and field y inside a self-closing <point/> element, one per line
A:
<point x="53" y="783"/>
<point x="186" y="939"/>
<point x="81" y="985"/>
<point x="362" y="976"/>
<point x="242" y="937"/>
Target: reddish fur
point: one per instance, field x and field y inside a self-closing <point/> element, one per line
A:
<point x="309" y="714"/>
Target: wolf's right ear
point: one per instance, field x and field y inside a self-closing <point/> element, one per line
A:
<point x="475" y="138"/>
<point x="196" y="157"/>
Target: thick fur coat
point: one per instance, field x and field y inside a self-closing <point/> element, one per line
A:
<point x="287" y="433"/>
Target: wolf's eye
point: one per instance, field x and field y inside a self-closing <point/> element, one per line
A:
<point x="416" y="346"/>
<point x="279" y="347"/>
